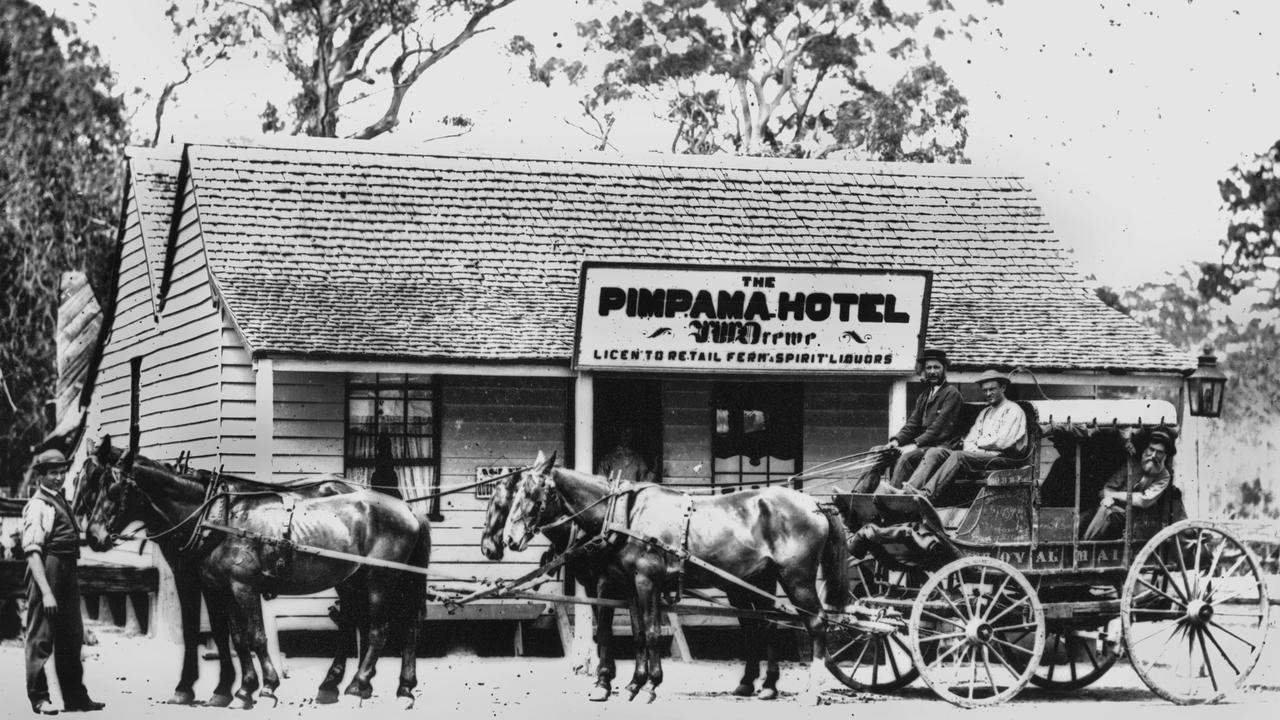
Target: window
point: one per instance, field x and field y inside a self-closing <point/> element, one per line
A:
<point x="757" y="433"/>
<point x="392" y="421"/>
<point x="135" y="402"/>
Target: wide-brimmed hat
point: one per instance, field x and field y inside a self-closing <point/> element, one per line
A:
<point x="50" y="459"/>
<point x="932" y="354"/>
<point x="1165" y="436"/>
<point x="996" y="375"/>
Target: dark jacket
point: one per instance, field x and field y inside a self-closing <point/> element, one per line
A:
<point x="933" y="421"/>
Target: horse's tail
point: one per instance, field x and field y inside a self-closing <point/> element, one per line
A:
<point x="835" y="559"/>
<point x="414" y="585"/>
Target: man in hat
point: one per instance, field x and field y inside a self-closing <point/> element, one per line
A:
<point x="51" y="542"/>
<point x="933" y="420"/>
<point x="997" y="440"/>
<point x="1155" y="478"/>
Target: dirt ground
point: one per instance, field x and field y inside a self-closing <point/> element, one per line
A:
<point x="134" y="674"/>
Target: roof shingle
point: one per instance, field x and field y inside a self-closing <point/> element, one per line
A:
<point x="361" y="253"/>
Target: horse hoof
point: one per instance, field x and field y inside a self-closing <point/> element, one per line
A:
<point x="364" y="693"/>
<point x="768" y="694"/>
<point x="653" y="695"/>
<point x="744" y="690"/>
<point x="327" y="696"/>
<point x="219" y="700"/>
<point x="599" y="694"/>
<point x="632" y="691"/>
<point x="268" y="693"/>
<point x="182" y="697"/>
<point x="406" y="702"/>
<point x="242" y="702"/>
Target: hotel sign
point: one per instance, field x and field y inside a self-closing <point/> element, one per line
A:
<point x="757" y="319"/>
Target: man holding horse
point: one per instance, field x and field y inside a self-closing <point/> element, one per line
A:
<point x="932" y="422"/>
<point x="997" y="440"/>
<point x="51" y="542"/>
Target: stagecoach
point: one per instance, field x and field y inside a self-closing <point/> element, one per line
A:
<point x="992" y="589"/>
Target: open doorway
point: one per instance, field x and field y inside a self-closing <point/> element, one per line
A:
<point x="628" y="428"/>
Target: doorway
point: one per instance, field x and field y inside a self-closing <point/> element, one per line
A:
<point x="628" y="414"/>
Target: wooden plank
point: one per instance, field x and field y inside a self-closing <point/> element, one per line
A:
<point x="94" y="579"/>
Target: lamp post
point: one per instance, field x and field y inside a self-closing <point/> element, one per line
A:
<point x="1205" y="386"/>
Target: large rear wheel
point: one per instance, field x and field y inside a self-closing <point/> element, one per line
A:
<point x="977" y="632"/>
<point x="1194" y="610"/>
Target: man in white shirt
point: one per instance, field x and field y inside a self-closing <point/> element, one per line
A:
<point x="997" y="440"/>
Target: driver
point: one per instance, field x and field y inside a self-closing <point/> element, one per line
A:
<point x="932" y="422"/>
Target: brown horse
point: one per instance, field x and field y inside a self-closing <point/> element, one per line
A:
<point x="232" y="573"/>
<point x="583" y="570"/>
<point x="763" y="537"/>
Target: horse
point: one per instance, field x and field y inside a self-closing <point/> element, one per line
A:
<point x="582" y="570"/>
<point x="232" y="572"/>
<point x="762" y="537"/>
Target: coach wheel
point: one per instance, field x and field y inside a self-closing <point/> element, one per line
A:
<point x="877" y="661"/>
<point x="1194" y="612"/>
<point x="977" y="632"/>
<point x="1074" y="658"/>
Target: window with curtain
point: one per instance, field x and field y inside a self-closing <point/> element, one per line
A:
<point x="757" y="434"/>
<point x="391" y="421"/>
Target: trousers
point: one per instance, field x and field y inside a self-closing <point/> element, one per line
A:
<point x="940" y="466"/>
<point x="60" y="635"/>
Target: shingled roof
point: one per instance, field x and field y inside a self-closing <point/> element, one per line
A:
<point x="337" y="252"/>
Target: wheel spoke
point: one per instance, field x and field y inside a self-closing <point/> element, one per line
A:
<point x="893" y="661"/>
<point x="1252" y="647"/>
<point x="1163" y="649"/>
<point x="875" y="661"/>
<point x="986" y="665"/>
<point x="973" y="666"/>
<point x="1025" y="599"/>
<point x="1057" y="645"/>
<point x="1157" y="590"/>
<point x="1149" y="636"/>
<point x="1204" y="652"/>
<point x="1182" y="564"/>
<point x="939" y="618"/>
<point x="942" y="636"/>
<point x="1199" y="549"/>
<point x="942" y="657"/>
<point x="1172" y="583"/>
<point x="1019" y="626"/>
<point x="995" y="597"/>
<point x="1011" y="646"/>
<point x="1217" y="556"/>
<point x="1000" y="656"/>
<point x="1205" y="633"/>
<point x="846" y="647"/>
<point x="1220" y="613"/>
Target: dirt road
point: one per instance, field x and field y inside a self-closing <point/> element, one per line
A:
<point x="133" y="674"/>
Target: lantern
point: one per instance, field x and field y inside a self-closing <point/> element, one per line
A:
<point x="1205" y="386"/>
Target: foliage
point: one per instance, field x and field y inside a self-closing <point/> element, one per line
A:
<point x="1238" y="446"/>
<point x="62" y="132"/>
<point x="776" y="77"/>
<point x="1251" y="245"/>
<point x="342" y="52"/>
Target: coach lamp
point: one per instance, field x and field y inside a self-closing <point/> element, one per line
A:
<point x="1205" y="386"/>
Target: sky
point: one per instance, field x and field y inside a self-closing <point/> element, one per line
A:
<point x="1122" y="116"/>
